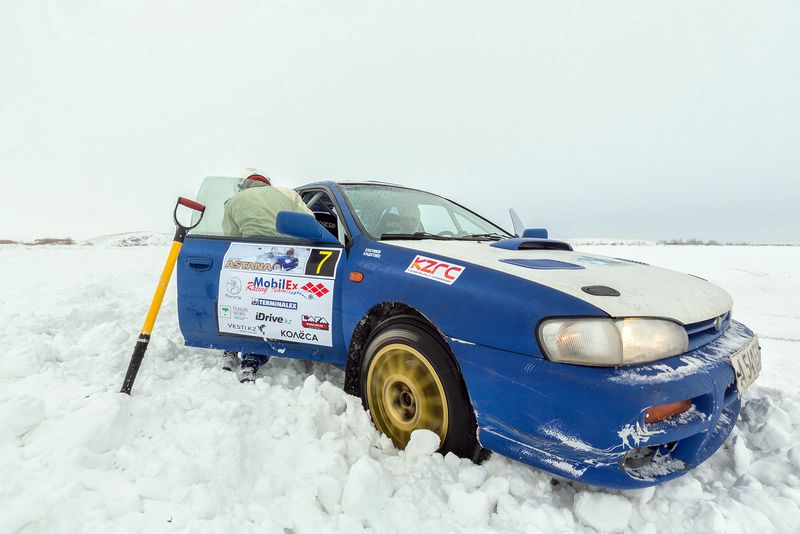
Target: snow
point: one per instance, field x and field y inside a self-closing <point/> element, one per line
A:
<point x="193" y="450"/>
<point x="603" y="511"/>
<point x="131" y="239"/>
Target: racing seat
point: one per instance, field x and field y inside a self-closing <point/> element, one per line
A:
<point x="328" y="221"/>
<point x="392" y="223"/>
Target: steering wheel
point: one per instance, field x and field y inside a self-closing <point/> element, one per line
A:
<point x="446" y="233"/>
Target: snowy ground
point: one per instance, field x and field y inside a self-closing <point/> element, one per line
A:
<point x="193" y="450"/>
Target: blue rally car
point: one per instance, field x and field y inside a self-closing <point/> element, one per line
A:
<point x="598" y="369"/>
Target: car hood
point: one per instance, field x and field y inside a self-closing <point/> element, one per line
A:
<point x="644" y="290"/>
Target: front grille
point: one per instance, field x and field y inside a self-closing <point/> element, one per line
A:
<point x="704" y="332"/>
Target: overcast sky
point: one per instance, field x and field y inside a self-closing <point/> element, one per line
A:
<point x="622" y="119"/>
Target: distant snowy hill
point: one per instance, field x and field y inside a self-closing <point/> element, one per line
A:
<point x="130" y="239"/>
<point x="579" y="241"/>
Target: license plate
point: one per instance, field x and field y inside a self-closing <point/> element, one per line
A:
<point x="747" y="365"/>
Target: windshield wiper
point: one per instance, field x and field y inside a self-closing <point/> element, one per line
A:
<point x="415" y="235"/>
<point x="494" y="236"/>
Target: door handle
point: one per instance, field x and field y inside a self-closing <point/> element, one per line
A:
<point x="199" y="264"/>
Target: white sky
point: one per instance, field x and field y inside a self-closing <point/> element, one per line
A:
<point x="625" y="119"/>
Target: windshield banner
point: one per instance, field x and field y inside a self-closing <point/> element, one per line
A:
<point x="278" y="292"/>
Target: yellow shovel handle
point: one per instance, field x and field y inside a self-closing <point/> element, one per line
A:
<point x="161" y="289"/>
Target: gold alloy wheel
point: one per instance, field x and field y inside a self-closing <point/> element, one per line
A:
<point x="405" y="394"/>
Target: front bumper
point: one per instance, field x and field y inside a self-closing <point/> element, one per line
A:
<point x="588" y="423"/>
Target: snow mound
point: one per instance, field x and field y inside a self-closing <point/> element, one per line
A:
<point x="602" y="511"/>
<point x="131" y="239"/>
<point x="192" y="450"/>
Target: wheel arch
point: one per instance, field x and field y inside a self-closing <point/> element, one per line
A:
<point x="376" y="317"/>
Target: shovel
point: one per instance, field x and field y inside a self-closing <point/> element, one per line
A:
<point x="161" y="289"/>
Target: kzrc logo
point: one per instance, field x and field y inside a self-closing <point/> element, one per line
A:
<point x="440" y="271"/>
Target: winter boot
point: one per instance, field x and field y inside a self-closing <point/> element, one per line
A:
<point x="230" y="360"/>
<point x="248" y="370"/>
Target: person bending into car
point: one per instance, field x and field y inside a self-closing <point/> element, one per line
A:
<point x="252" y="212"/>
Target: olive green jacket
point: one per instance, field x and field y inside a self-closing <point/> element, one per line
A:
<point x="252" y="212"/>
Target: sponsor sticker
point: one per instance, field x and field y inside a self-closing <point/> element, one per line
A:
<point x="262" y="285"/>
<point x="233" y="286"/>
<point x="437" y="270"/>
<point x="278" y="292"/>
<point x="240" y="265"/>
<point x="237" y="313"/>
<point x="372" y="253"/>
<point x="314" y="322"/>
<point x="301" y="335"/>
<point x="271" y="318"/>
<point x="270" y="303"/>
<point x="243" y="328"/>
<point x="319" y="289"/>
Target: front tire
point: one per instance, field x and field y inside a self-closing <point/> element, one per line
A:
<point x="410" y="382"/>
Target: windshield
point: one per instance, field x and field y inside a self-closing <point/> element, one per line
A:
<point x="388" y="212"/>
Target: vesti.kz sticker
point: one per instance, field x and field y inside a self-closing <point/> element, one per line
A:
<point x="278" y="292"/>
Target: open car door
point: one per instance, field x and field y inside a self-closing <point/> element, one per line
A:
<point x="261" y="295"/>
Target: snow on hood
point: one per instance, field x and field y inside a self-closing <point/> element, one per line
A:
<point x="645" y="291"/>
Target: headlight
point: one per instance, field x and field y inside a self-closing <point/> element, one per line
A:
<point x="608" y="342"/>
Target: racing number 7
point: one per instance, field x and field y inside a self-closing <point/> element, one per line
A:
<point x="327" y="254"/>
<point x="318" y="264"/>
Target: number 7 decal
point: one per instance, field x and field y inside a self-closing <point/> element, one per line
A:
<point x="318" y="264"/>
<point x="327" y="254"/>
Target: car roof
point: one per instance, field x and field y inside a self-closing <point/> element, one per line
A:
<point x="358" y="182"/>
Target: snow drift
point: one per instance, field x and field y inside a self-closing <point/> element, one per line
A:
<point x="192" y="450"/>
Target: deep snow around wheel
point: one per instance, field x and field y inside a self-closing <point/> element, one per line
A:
<point x="192" y="450"/>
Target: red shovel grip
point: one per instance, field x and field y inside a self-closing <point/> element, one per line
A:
<point x="191" y="204"/>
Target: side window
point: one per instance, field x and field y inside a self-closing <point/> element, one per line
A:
<point x="325" y="212"/>
<point x="214" y="192"/>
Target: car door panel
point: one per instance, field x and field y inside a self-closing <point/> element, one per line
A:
<point x="281" y="305"/>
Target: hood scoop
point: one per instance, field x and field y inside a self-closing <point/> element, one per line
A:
<point x="528" y="243"/>
<point x="545" y="265"/>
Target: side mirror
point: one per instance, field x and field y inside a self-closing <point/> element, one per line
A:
<point x="538" y="233"/>
<point x="303" y="226"/>
<point x="517" y="222"/>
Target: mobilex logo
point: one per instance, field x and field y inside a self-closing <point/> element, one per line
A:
<point x="440" y="271"/>
<point x="269" y="303"/>
<point x="314" y="322"/>
<point x="263" y="285"/>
